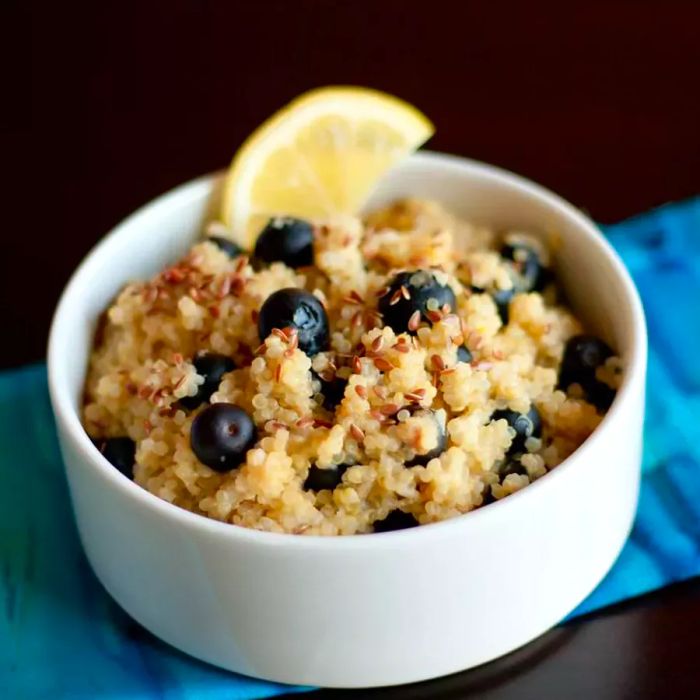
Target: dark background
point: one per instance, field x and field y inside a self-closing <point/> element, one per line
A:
<point x="108" y="104"/>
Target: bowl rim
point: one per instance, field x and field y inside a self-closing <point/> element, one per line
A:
<point x="68" y="417"/>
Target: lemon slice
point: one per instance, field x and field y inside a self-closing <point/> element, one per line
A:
<point x="320" y="155"/>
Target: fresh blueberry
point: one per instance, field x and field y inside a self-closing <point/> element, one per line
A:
<point x="396" y="520"/>
<point x="502" y="299"/>
<point x="511" y="466"/>
<point x="298" y="309"/>
<point x="582" y="356"/>
<point x="332" y="391"/>
<point x="288" y="240"/>
<point x="525" y="425"/>
<point x="410" y="292"/>
<point x="531" y="273"/>
<point x="487" y="497"/>
<point x="120" y="452"/>
<point x="212" y="367"/>
<point x="420" y="460"/>
<point x="221" y="435"/>
<point x="257" y="264"/>
<point x="319" y="479"/>
<point x="464" y="354"/>
<point x="233" y="250"/>
<point x="600" y="395"/>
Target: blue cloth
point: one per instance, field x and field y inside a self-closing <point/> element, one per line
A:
<point x="61" y="635"/>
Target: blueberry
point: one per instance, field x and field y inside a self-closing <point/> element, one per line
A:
<point x="319" y="479"/>
<point x="420" y="460"/>
<point x="420" y="286"/>
<point x="333" y="390"/>
<point x="257" y="264"/>
<point x="487" y="497"/>
<point x="233" y="250"/>
<point x="502" y="299"/>
<point x="221" y="435"/>
<point x="288" y="240"/>
<point x="120" y="452"/>
<point x="298" y="309"/>
<point x="532" y="275"/>
<point x="582" y="356"/>
<point x="525" y="425"/>
<point x="464" y="354"/>
<point x="396" y="520"/>
<point x="212" y="367"/>
<point x="511" y="466"/>
<point x="601" y="395"/>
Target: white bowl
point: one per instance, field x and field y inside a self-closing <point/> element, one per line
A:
<point x="363" y="610"/>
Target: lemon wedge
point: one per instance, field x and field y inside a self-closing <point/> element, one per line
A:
<point x="320" y="155"/>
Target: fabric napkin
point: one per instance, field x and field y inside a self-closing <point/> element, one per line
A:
<point x="61" y="635"/>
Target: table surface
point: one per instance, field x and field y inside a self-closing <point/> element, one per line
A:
<point x="122" y="101"/>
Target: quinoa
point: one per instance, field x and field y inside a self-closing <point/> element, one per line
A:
<point x="402" y="395"/>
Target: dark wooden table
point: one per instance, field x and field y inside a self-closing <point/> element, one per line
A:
<point x="123" y="100"/>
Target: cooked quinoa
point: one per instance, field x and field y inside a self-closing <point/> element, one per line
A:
<point x="404" y="428"/>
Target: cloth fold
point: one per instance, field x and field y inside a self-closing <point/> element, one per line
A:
<point x="62" y="636"/>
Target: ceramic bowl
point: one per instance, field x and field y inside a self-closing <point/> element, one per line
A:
<point x="363" y="610"/>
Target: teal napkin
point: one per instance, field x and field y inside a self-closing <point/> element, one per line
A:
<point x="662" y="251"/>
<point x="61" y="636"/>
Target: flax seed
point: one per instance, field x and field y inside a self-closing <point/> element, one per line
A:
<point x="380" y="391"/>
<point x="482" y="366"/>
<point x="395" y="297"/>
<point x="388" y="409"/>
<point x="437" y="362"/>
<point x="357" y="433"/>
<point x="382" y="364"/>
<point x="374" y="318"/>
<point x="280" y="334"/>
<point x="225" y="287"/>
<point x="179" y="383"/>
<point x="174" y="275"/>
<point x="377" y="343"/>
